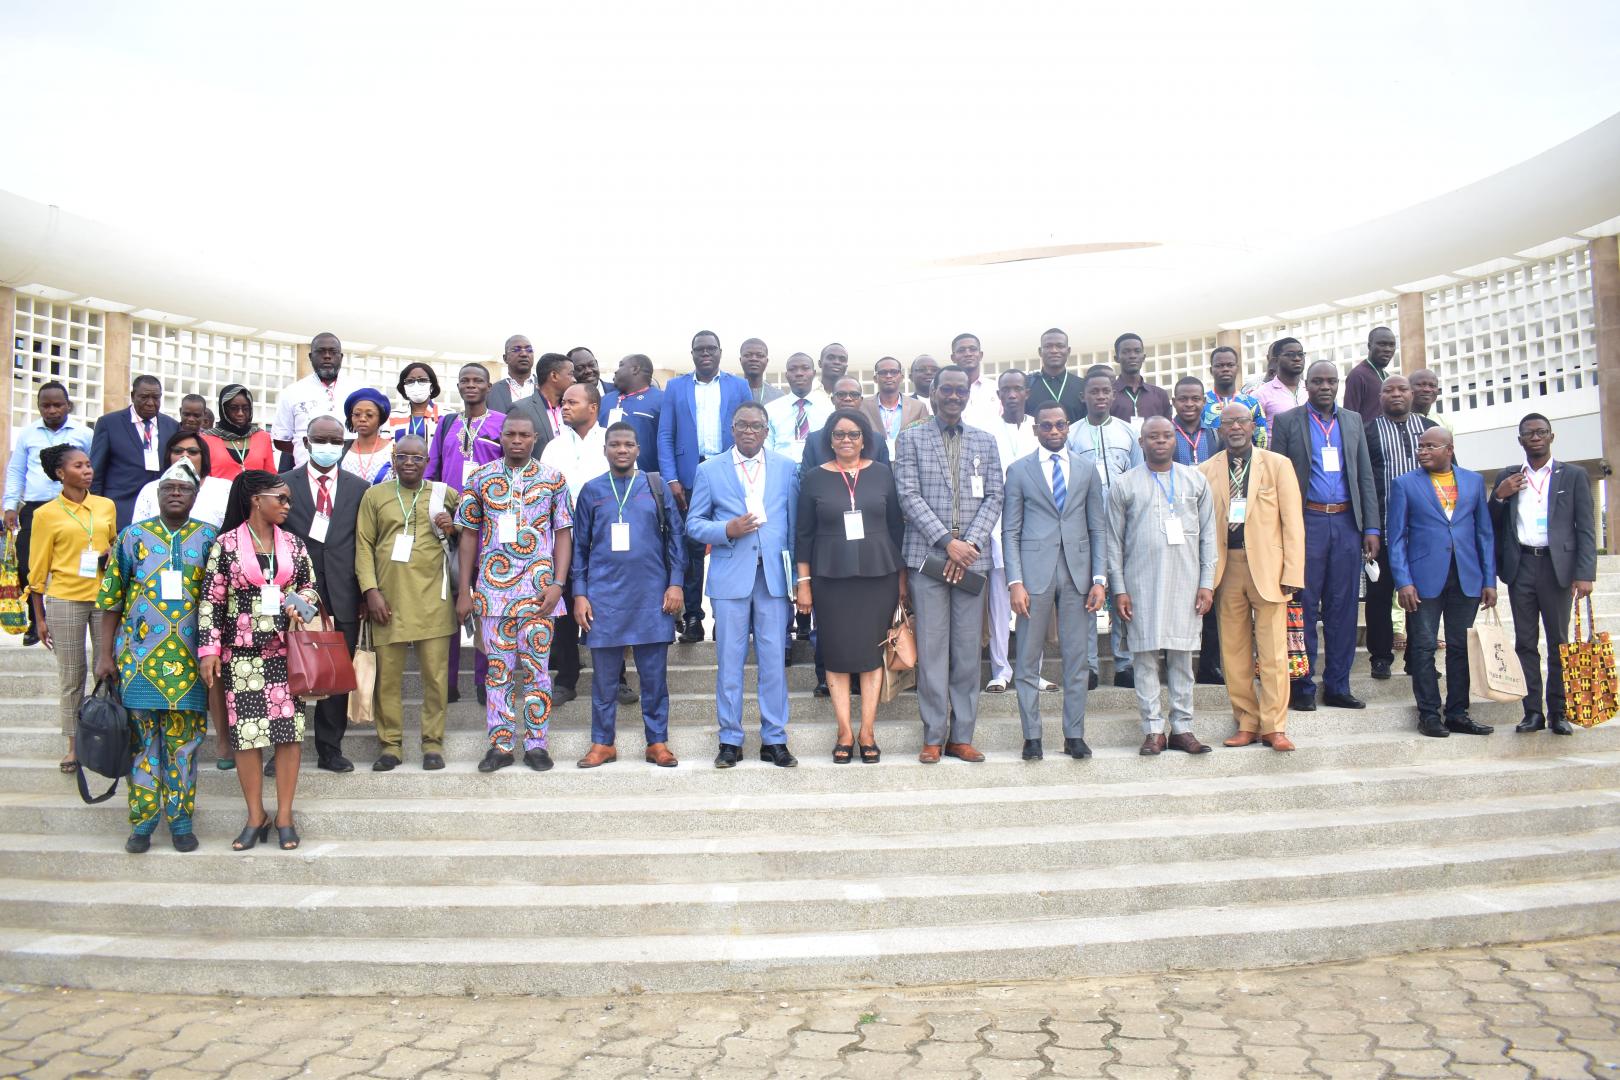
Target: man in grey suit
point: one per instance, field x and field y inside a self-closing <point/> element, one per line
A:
<point x="518" y="355"/>
<point x="948" y="476"/>
<point x="1054" y="541"/>
<point x="553" y="375"/>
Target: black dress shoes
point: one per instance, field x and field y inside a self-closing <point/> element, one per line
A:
<point x="30" y="638"/>
<point x="1302" y="702"/>
<point x="385" y="763"/>
<point x="138" y="843"/>
<point x="1211" y="677"/>
<point x="496" y="758"/>
<point x="1091" y="681"/>
<point x="822" y="691"/>
<point x="1125" y="678"/>
<point x="1076" y="748"/>
<point x="1032" y="750"/>
<point x="1380" y="669"/>
<point x="483" y="695"/>
<point x="1559" y="726"/>
<point x="184" y="841"/>
<point x="1532" y="722"/>
<point x="337" y="763"/>
<point x="778" y="754"/>
<point x="1434" y="729"/>
<point x="1343" y="701"/>
<point x="453" y="695"/>
<point x="728" y="756"/>
<point x="562" y="695"/>
<point x="1467" y="726"/>
<point x="537" y="759"/>
<point x="432" y="762"/>
<point x="627" y="694"/>
<point x="692" y="632"/>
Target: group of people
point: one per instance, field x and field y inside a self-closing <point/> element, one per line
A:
<point x="551" y="506"/>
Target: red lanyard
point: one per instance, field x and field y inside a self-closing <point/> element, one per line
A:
<point x="750" y="470"/>
<point x="1530" y="478"/>
<point x="1191" y="442"/>
<point x="1325" y="429"/>
<point x="851" y="486"/>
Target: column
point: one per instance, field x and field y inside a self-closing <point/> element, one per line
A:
<point x="8" y="385"/>
<point x="304" y="367"/>
<point x="1604" y="254"/>
<point x="115" y="373"/>
<point x="1413" y="345"/>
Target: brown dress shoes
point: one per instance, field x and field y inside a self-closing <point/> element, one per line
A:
<point x="1277" y="741"/>
<point x="659" y="754"/>
<point x="1153" y="745"/>
<point x="1187" y="743"/>
<point x="929" y="755"/>
<point x="1243" y="738"/>
<point x="598" y="755"/>
<point x="962" y="750"/>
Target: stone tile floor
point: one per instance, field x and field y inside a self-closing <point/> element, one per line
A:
<point x="1546" y="1010"/>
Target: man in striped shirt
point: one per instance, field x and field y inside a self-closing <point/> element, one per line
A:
<point x="1392" y="446"/>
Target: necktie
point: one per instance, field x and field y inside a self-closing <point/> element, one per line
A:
<point x="801" y="426"/>
<point x="323" y="500"/>
<point x="146" y="434"/>
<point x="1059" y="490"/>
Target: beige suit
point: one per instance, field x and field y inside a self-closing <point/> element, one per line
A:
<point x="1249" y="583"/>
<point x="912" y="411"/>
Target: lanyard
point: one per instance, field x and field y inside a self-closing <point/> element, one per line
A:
<point x="851" y="485"/>
<point x="1169" y="496"/>
<point x="1327" y="429"/>
<point x="269" y="556"/>
<point x="891" y="427"/>
<point x="517" y="495"/>
<point x="1136" y="406"/>
<point x="1240" y="476"/>
<point x="174" y="545"/>
<point x="1064" y="385"/>
<point x="1193" y="442"/>
<point x="409" y="516"/>
<point x="470" y="434"/>
<point x="625" y="498"/>
<point x="1098" y="445"/>
<point x="1530" y="477"/>
<point x="750" y="470"/>
<point x="90" y="529"/>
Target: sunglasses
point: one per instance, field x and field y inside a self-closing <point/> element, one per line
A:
<point x="283" y="499"/>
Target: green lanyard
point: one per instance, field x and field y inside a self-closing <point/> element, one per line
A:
<point x="625" y="498"/>
<point x="410" y="516"/>
<point x="1098" y="445"/>
<point x="90" y="529"/>
<point x="174" y="545"/>
<point x="1058" y="397"/>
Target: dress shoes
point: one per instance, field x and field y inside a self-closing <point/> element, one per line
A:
<point x="30" y="638"/>
<point x="1211" y="677"/>
<point x="1277" y="741"/>
<point x="1187" y="743"/>
<point x="1380" y="669"/>
<point x="1467" y="726"/>
<point x="1559" y="726"/>
<point x="963" y="751"/>
<point x="1032" y="750"/>
<point x="184" y="841"/>
<point x="432" y="761"/>
<point x="1302" y="702"/>
<point x="138" y="843"/>
<point x="627" y="694"/>
<point x="691" y="632"/>
<point x="1091" y="681"/>
<point x="1531" y="722"/>
<point x="821" y="690"/>
<point x="778" y="754"/>
<point x="1153" y="745"/>
<point x="495" y="758"/>
<point x="483" y="695"/>
<point x="1434" y="728"/>
<point x="1126" y="678"/>
<point x="452" y="695"/>
<point x="598" y="754"/>
<point x="929" y="755"/>
<point x="562" y="695"/>
<point x="659" y="754"/>
<point x="1243" y="738"/>
<point x="537" y="759"/>
<point x="386" y="763"/>
<point x="1343" y="701"/>
<point x="728" y="756"/>
<point x="336" y="763"/>
<point x="1076" y="748"/>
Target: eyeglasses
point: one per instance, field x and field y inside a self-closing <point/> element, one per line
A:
<point x="1052" y="425"/>
<point x="747" y="425"/>
<point x="1536" y="433"/>
<point x="410" y="457"/>
<point x="952" y="391"/>
<point x="847" y="395"/>
<point x="284" y="500"/>
<point x="845" y="436"/>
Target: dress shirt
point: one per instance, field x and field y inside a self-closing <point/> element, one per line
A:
<point x="302" y="402"/>
<point x="1150" y="400"/>
<point x="751" y="478"/>
<point x="1062" y="457"/>
<point x="890" y="418"/>
<point x="1195" y="449"/>
<point x="983" y="409"/>
<point x="1111" y="448"/>
<point x="706" y="398"/>
<point x="1214" y="404"/>
<point x="1275" y="397"/>
<point x="579" y="458"/>
<point x="783" y="415"/>
<point x="1326" y="487"/>
<point x="313" y="474"/>
<point x="1531" y="508"/>
<point x="1014" y="441"/>
<point x="26" y="481"/>
<point x="146" y="431"/>
<point x="520" y="390"/>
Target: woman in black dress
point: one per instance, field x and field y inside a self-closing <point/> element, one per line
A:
<point x="848" y="549"/>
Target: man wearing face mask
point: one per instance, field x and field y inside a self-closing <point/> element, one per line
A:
<point x="320" y="393"/>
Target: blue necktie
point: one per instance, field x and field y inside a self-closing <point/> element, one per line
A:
<point x="1059" y="492"/>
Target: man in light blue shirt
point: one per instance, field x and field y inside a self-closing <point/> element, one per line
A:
<point x="800" y="413"/>
<point x="27" y="486"/>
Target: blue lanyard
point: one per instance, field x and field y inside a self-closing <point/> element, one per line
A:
<point x="1169" y="496"/>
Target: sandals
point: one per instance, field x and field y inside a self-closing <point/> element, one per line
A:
<point x="288" y="837"/>
<point x="842" y="752"/>
<point x="870" y="755"/>
<point x="252" y="834"/>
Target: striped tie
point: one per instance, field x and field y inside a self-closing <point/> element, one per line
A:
<point x="1059" y="491"/>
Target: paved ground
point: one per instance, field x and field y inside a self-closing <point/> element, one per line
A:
<point x="1550" y="1010"/>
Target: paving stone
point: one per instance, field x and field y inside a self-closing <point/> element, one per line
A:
<point x="1279" y="1059"/>
<point x="1553" y="1065"/>
<point x="820" y="1044"/>
<point x="890" y="1038"/>
<point x="1070" y="1062"/>
<point x="874" y="1065"/>
<point x="1349" y="1070"/>
<point x="1015" y="1045"/>
<point x="1415" y="1062"/>
<point x="956" y="1027"/>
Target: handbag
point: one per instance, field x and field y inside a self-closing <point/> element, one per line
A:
<point x="318" y="662"/>
<point x="101" y="740"/>
<point x="900" y="644"/>
<point x="1591" y="689"/>
<point x="13" y="603"/>
<point x="1494" y="671"/>
<point x="1299" y="664"/>
<point x="362" y="701"/>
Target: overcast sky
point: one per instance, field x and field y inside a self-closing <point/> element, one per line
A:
<point x="620" y="171"/>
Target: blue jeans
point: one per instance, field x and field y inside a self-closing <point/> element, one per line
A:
<point x="1422" y="632"/>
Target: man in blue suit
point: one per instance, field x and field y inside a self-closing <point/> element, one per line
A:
<point x="743" y="508"/>
<point x="1443" y="555"/>
<point x="126" y="447"/>
<point x="693" y="426"/>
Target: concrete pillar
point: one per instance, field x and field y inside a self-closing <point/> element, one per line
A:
<point x="304" y="367"/>
<point x="8" y="385"/>
<point x="1414" y="347"/>
<point x="115" y="373"/>
<point x="1604" y="253"/>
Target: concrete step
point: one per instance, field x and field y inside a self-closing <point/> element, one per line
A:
<point x="1207" y="937"/>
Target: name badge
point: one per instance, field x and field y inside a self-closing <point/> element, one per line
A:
<point x="855" y="524"/>
<point x="269" y="599"/>
<point x="402" y="547"/>
<point x="1238" y="512"/>
<point x="89" y="563"/>
<point x="1330" y="459"/>
<point x="615" y="415"/>
<point x="149" y="457"/>
<point x="318" y="526"/>
<point x="169" y="587"/>
<point x="1136" y="424"/>
<point x="756" y="505"/>
<point x="619" y="535"/>
<point x="506" y="528"/>
<point x="1172" y="532"/>
<point x="977" y="486"/>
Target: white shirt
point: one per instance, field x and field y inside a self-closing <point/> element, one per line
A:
<point x="783" y="414"/>
<point x="520" y="390"/>
<point x="751" y="475"/>
<point x="208" y="509"/>
<point x="314" y="475"/>
<point x="302" y="402"/>
<point x="1063" y="467"/>
<point x="983" y="409"/>
<point x="1013" y="441"/>
<point x="580" y="460"/>
<point x="1531" y="508"/>
<point x="706" y="404"/>
<point x="147" y="432"/>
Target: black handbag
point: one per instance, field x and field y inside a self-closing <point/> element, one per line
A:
<point x="971" y="583"/>
<point x="102" y="740"/>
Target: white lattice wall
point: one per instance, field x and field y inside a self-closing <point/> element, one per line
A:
<point x="1339" y="335"/>
<point x="190" y="361"/>
<point x="55" y="341"/>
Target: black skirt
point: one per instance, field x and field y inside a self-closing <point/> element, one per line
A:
<point x="852" y="619"/>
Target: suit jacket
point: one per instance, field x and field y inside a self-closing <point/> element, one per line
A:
<point x="1423" y="541"/>
<point x="534" y="407"/>
<point x="718" y="497"/>
<point x="1033" y="532"/>
<point x="912" y="411"/>
<point x="818" y="450"/>
<point x="925" y="496"/>
<point x="1571" y="533"/>
<point x="333" y="557"/>
<point x="119" y="458"/>
<point x="677" y="423"/>
<point x="1273" y="526"/>
<point x="1380" y="465"/>
<point x="500" y="396"/>
<point x="1291" y="437"/>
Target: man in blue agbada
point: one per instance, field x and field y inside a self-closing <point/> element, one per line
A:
<point x="627" y="541"/>
<point x="148" y="600"/>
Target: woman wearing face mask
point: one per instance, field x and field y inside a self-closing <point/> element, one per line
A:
<point x="236" y="443"/>
<point x="371" y="455"/>
<point x="419" y="386"/>
<point x="193" y="449"/>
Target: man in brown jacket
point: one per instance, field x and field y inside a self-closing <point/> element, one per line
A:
<point x="1259" y="565"/>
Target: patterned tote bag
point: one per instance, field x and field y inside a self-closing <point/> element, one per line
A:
<point x="13" y="604"/>
<point x="1591" y="690"/>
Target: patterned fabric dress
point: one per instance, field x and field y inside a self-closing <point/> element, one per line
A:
<point x="159" y="680"/>
<point x="252" y="644"/>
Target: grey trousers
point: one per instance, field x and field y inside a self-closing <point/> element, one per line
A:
<point x="950" y="623"/>
<point x="69" y="622"/>
<point x="1072" y="616"/>
<point x="1179" y="669"/>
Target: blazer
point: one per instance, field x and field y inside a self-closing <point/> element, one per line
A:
<point x="677" y="423"/>
<point x="534" y="407"/>
<point x="818" y="450"/>
<point x="333" y="558"/>
<point x="717" y="498"/>
<point x="912" y="411"/>
<point x="119" y="458"/>
<point x="1033" y="532"/>
<point x="925" y="496"/>
<point x="1423" y="541"/>
<point x="499" y="398"/>
<point x="1273" y="525"/>
<point x="1571" y="532"/>
<point x="1291" y="437"/>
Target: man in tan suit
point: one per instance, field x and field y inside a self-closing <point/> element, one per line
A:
<point x="890" y="411"/>
<point x="1259" y="565"/>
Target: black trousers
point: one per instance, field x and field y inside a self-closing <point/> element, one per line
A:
<point x="25" y="530"/>
<point x="565" y="646"/>
<point x="1539" y="603"/>
<point x="1453" y="611"/>
<point x="1209" y="646"/>
<point x="1380" y="616"/>
<point x="332" y="714"/>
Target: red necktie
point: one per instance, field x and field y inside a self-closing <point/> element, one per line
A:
<point x="801" y="427"/>
<point x="323" y="501"/>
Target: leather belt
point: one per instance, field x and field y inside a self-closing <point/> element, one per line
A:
<point x="1328" y="508"/>
<point x="1526" y="549"/>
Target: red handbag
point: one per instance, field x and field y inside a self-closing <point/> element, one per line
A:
<point x="318" y="661"/>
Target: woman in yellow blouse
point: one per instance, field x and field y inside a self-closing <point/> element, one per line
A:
<point x="72" y="535"/>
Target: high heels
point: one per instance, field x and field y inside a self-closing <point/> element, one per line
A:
<point x="252" y="834"/>
<point x="287" y="835"/>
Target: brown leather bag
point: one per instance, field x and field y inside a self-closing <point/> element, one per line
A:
<point x="900" y="646"/>
<point x="318" y="661"/>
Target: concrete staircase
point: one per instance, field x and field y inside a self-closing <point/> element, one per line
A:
<point x="1369" y="839"/>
